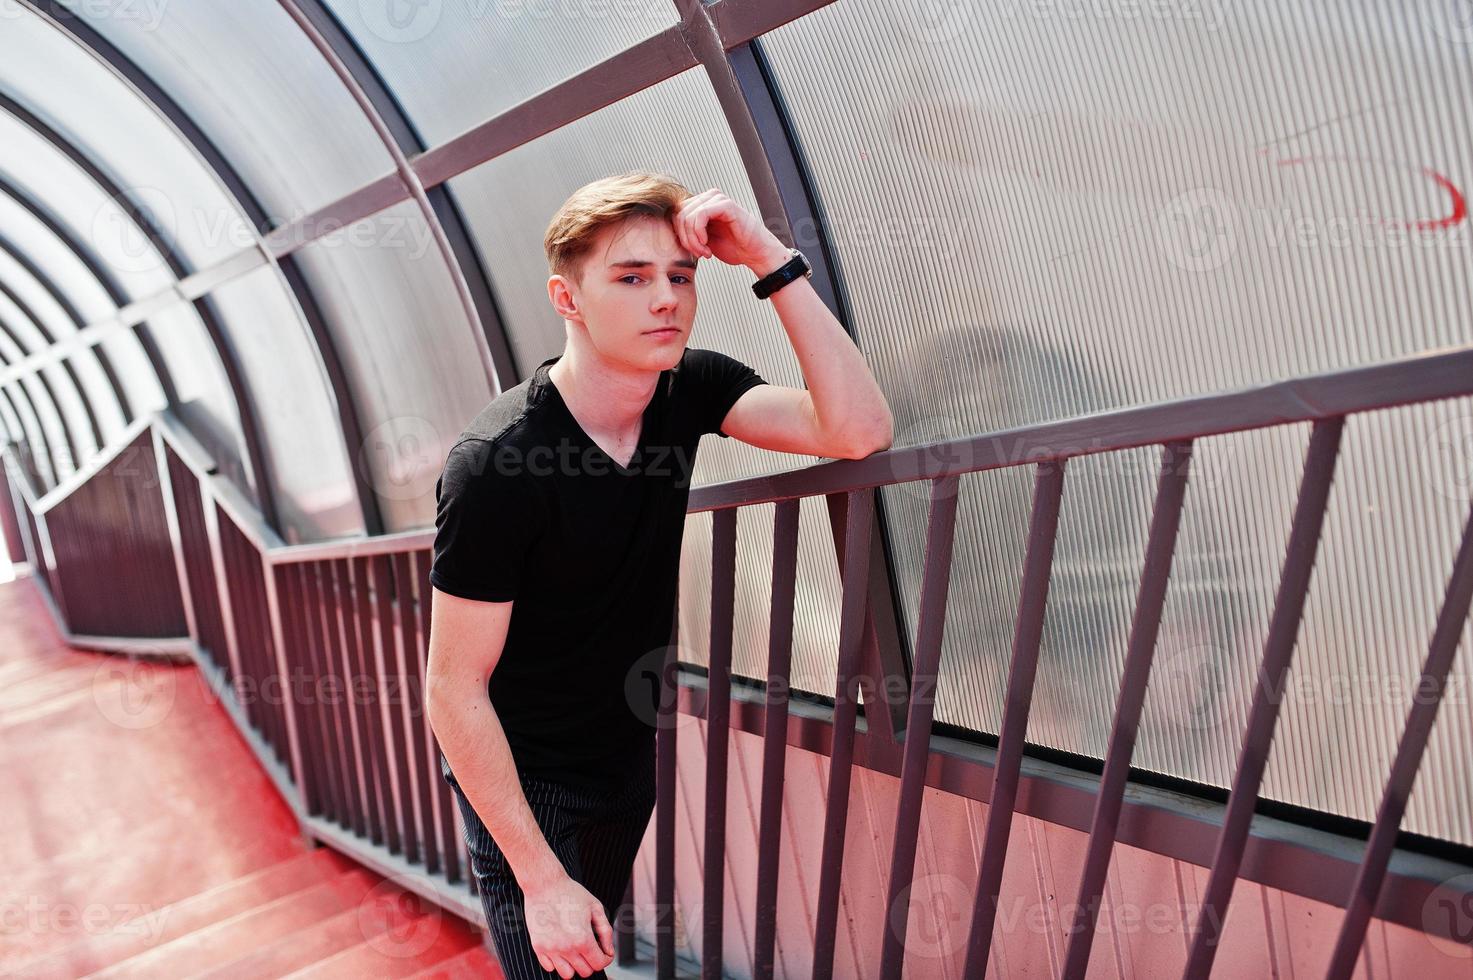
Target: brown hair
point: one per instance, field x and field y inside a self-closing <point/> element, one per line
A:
<point x="601" y="203"/>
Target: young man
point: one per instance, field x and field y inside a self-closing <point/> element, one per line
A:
<point x="565" y="498"/>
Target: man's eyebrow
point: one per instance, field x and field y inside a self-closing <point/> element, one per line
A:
<point x="641" y="263"/>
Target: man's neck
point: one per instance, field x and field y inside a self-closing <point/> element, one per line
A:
<point x="604" y="398"/>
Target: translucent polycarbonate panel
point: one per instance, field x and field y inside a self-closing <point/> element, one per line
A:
<point x="67" y="395"/>
<point x="58" y="461"/>
<point x="104" y="118"/>
<point x="66" y="271"/>
<point x="816" y="599"/>
<point x="33" y="434"/>
<point x="1037" y="217"/>
<point x="261" y="92"/>
<point x="310" y="476"/>
<point x="407" y="350"/>
<point x="134" y="371"/>
<point x="50" y="314"/>
<point x="206" y="404"/>
<point x="454" y="65"/>
<point x="77" y="202"/>
<point x="14" y="431"/>
<point x="26" y="234"/>
<point x="676" y="127"/>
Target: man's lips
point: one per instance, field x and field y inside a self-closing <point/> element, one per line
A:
<point x="662" y="331"/>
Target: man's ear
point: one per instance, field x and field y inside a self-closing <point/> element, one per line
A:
<point x="561" y="295"/>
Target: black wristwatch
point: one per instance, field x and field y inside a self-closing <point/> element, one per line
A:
<point x="797" y="265"/>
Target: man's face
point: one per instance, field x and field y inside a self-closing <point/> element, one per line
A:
<point x="636" y="280"/>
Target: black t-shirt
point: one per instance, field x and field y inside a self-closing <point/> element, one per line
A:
<point x="530" y="508"/>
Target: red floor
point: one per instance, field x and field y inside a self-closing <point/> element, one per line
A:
<point x="142" y="839"/>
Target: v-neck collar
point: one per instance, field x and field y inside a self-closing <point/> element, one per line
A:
<point x="542" y="387"/>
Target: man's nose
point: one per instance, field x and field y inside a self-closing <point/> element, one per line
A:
<point x="664" y="295"/>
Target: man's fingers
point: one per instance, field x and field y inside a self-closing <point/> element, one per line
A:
<point x="603" y="930"/>
<point x="580" y="965"/>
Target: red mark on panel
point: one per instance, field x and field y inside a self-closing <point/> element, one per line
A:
<point x="1459" y="201"/>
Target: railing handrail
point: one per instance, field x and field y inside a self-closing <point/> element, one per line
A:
<point x="99" y="461"/>
<point x="1425" y="377"/>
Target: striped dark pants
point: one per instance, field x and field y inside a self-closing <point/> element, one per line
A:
<point x="595" y="836"/>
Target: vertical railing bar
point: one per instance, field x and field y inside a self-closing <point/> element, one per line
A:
<point x="389" y="701"/>
<point x="935" y="582"/>
<point x="290" y="708"/>
<point x="624" y="952"/>
<point x="414" y="703"/>
<point x="176" y="533"/>
<point x="1304" y="539"/>
<point x="337" y="575"/>
<point x="337" y="777"/>
<point x="855" y="585"/>
<point x="718" y="712"/>
<point x="774" y="732"/>
<point x="370" y="718"/>
<point x="260" y="625"/>
<point x="1171" y="487"/>
<point x="222" y="589"/>
<point x="1048" y="491"/>
<point x="314" y="754"/>
<point x="444" y="804"/>
<point x="667" y="718"/>
<point x="253" y="652"/>
<point x="1426" y="701"/>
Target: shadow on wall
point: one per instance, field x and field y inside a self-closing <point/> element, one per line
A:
<point x="993" y="378"/>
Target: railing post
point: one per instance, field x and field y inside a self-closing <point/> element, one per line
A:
<point x="940" y="536"/>
<point x="1304" y="539"/>
<point x="1048" y="492"/>
<point x="775" y="731"/>
<point x="1423" y="713"/>
<point x="171" y="518"/>
<point x="222" y="588"/>
<point x="855" y="584"/>
<point x="291" y="707"/>
<point x="718" y="714"/>
<point x="1171" y="488"/>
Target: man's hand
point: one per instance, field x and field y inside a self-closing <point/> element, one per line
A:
<point x="713" y="225"/>
<point x="562" y="919"/>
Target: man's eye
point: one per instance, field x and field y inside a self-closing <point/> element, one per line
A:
<point x="628" y="277"/>
<point x="686" y="278"/>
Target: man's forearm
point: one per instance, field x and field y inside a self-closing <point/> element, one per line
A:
<point x="475" y="745"/>
<point x="847" y="400"/>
